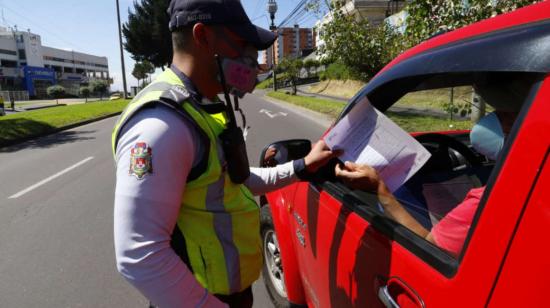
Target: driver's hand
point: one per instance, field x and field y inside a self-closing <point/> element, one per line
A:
<point x="319" y="155"/>
<point x="361" y="177"/>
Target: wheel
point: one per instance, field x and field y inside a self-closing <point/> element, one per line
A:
<point x="272" y="271"/>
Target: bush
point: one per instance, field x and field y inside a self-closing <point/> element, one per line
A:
<point x="337" y="71"/>
<point x="56" y="92"/>
<point x="99" y="87"/>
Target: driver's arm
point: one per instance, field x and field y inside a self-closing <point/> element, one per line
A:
<point x="366" y="178"/>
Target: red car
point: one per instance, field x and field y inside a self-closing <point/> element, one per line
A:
<point x="326" y="245"/>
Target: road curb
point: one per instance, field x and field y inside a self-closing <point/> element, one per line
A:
<point x="4" y="144"/>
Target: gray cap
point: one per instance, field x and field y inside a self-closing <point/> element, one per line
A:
<point x="229" y="13"/>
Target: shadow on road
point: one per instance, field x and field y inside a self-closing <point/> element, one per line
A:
<point x="11" y="129"/>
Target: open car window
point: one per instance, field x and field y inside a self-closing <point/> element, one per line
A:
<point x="445" y="194"/>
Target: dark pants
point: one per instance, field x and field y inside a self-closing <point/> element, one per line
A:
<point x="242" y="299"/>
<point x="237" y="300"/>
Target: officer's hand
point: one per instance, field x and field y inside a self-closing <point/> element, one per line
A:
<point x="319" y="155"/>
<point x="269" y="157"/>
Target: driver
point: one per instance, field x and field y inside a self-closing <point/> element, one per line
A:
<point x="487" y="137"/>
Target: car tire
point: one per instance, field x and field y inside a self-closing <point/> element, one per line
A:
<point x="273" y="279"/>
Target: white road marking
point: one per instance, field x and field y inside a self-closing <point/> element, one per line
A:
<point x="273" y="115"/>
<point x="26" y="190"/>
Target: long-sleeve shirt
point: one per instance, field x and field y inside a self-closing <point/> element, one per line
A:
<point x="147" y="208"/>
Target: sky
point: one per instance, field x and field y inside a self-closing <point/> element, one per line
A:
<point x="90" y="26"/>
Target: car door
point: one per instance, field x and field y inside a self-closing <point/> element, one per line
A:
<point x="352" y="255"/>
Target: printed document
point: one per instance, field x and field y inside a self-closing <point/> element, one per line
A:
<point x="368" y="137"/>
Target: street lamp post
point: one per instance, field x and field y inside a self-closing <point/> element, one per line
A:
<point x="272" y="9"/>
<point x="121" y="52"/>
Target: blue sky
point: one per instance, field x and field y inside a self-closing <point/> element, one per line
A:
<point x="90" y="26"/>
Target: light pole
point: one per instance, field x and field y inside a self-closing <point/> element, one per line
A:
<point x="272" y="9"/>
<point x="121" y="52"/>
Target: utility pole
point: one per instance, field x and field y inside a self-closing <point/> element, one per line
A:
<point x="125" y="95"/>
<point x="272" y="9"/>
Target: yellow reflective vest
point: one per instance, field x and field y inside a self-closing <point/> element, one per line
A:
<point x="219" y="220"/>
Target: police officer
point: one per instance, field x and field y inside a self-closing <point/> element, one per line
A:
<point x="186" y="232"/>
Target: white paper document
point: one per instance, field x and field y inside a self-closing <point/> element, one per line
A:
<point x="368" y="137"/>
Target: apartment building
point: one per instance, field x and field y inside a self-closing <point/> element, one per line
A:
<point x="292" y="42"/>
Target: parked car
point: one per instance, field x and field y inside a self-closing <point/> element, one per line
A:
<point x="115" y="96"/>
<point x="326" y="245"/>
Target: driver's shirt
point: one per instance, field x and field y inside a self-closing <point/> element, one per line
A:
<point x="155" y="153"/>
<point x="450" y="233"/>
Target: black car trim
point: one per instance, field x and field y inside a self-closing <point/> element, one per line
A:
<point x="426" y="251"/>
<point x="500" y="163"/>
<point x="365" y="205"/>
<point x="521" y="48"/>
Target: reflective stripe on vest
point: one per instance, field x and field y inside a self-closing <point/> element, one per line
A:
<point x="218" y="219"/>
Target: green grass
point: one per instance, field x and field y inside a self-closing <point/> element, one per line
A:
<point x="409" y="122"/>
<point x="418" y="123"/>
<point x="36" y="122"/>
<point x="329" y="107"/>
<point x="268" y="83"/>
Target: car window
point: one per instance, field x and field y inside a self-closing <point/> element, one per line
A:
<point x="444" y="196"/>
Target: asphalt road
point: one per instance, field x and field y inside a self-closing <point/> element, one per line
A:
<point x="56" y="208"/>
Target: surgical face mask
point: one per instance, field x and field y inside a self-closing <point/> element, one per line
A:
<point x="487" y="136"/>
<point x="240" y="75"/>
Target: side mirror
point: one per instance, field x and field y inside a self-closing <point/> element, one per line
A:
<point x="284" y="151"/>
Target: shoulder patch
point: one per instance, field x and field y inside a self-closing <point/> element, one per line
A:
<point x="141" y="160"/>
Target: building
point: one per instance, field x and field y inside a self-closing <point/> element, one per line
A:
<point x="374" y="11"/>
<point x="292" y="42"/>
<point x="27" y="65"/>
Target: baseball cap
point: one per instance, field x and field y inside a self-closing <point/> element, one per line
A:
<point x="229" y="13"/>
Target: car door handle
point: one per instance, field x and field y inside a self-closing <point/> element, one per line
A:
<point x="386" y="298"/>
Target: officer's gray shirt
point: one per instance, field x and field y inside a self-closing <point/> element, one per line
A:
<point x="146" y="210"/>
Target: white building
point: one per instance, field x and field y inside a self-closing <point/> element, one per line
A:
<point x="375" y="11"/>
<point x="26" y="65"/>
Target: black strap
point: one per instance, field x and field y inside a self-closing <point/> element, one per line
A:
<point x="174" y="98"/>
<point x="177" y="242"/>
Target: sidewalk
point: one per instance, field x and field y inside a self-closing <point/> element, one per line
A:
<point x="23" y="106"/>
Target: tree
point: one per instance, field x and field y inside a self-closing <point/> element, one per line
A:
<point x="99" y="87"/>
<point x="142" y="70"/>
<point x="56" y="92"/>
<point x="429" y="17"/>
<point x="365" y="50"/>
<point x="85" y="92"/>
<point x="146" y="33"/>
<point x="291" y="68"/>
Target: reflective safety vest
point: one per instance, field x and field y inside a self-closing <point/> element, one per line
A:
<point x="219" y="220"/>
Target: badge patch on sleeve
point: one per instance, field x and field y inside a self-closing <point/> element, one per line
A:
<point x="140" y="160"/>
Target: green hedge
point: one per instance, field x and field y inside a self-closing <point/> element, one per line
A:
<point x="337" y="71"/>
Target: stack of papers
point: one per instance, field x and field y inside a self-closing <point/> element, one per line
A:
<point x="368" y="137"/>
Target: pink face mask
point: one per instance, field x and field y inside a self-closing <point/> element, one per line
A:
<point x="240" y="75"/>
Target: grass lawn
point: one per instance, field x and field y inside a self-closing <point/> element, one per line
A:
<point x="36" y="122"/>
<point x="409" y="122"/>
<point x="325" y="106"/>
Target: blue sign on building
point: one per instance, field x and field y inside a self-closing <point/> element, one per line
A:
<point x="33" y="74"/>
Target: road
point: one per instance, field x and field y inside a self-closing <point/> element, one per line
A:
<point x="56" y="208"/>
